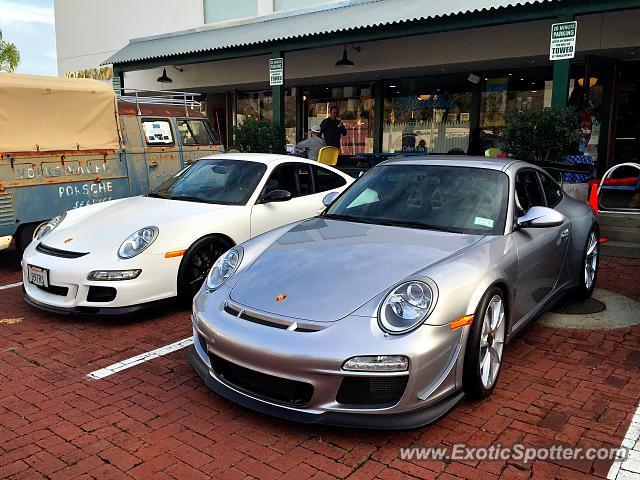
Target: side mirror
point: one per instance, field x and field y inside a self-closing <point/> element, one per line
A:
<point x="540" y="217"/>
<point x="329" y="198"/>
<point x="276" y="196"/>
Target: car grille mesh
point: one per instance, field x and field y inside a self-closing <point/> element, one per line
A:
<point x="378" y="390"/>
<point x="257" y="384"/>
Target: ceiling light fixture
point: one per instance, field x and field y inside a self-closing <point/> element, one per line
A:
<point x="345" y="62"/>
<point x="164" y="78"/>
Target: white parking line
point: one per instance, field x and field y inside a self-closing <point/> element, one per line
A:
<point x="629" y="468"/>
<point x="138" y="359"/>
<point x="11" y="285"/>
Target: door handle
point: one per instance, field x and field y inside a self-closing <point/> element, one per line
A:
<point x="153" y="165"/>
<point x="565" y="233"/>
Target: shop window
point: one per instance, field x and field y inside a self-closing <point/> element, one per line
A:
<point x="427" y="115"/>
<point x="356" y="106"/>
<point x="292" y="177"/>
<point x="259" y="105"/>
<point x="157" y="132"/>
<point x="326" y="180"/>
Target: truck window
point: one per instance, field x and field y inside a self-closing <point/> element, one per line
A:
<point x="195" y="132"/>
<point x="157" y="132"/>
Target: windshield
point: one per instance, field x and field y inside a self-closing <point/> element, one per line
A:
<point x="456" y="199"/>
<point x="224" y="181"/>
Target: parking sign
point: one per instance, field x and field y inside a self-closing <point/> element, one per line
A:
<point x="276" y="71"/>
<point x="563" y="40"/>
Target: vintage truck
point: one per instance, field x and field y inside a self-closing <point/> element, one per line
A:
<point x="67" y="142"/>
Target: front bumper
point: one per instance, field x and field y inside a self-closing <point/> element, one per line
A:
<point x="412" y="419"/>
<point x="314" y="360"/>
<point x="72" y="292"/>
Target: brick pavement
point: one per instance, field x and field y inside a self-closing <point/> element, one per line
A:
<point x="157" y="420"/>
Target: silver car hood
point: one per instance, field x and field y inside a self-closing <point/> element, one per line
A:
<point x="329" y="268"/>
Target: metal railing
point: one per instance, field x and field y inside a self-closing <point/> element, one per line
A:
<point x="187" y="100"/>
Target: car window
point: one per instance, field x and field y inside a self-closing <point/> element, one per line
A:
<point x="292" y="177"/>
<point x="552" y="191"/>
<point x="528" y="192"/>
<point x="157" y="132"/>
<point x="326" y="179"/>
<point x="224" y="181"/>
<point x="195" y="132"/>
<point x="458" y="199"/>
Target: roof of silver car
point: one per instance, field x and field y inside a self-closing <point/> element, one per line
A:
<point x="453" y="161"/>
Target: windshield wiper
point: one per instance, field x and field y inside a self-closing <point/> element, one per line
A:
<point x="156" y="195"/>
<point x="188" y="198"/>
<point x="348" y="218"/>
<point x="423" y="226"/>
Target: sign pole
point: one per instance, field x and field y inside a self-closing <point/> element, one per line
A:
<point x="276" y="80"/>
<point x="562" y="49"/>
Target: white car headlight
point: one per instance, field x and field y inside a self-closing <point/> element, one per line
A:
<point x="405" y="307"/>
<point x="224" y="267"/>
<point x="48" y="227"/>
<point x="137" y="242"/>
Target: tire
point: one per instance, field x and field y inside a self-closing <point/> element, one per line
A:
<point x="24" y="236"/>
<point x="588" y="268"/>
<point x="196" y="264"/>
<point x="485" y="344"/>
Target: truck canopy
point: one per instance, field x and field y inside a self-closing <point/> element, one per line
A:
<point x="42" y="114"/>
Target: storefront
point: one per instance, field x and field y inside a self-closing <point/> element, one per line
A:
<point x="417" y="81"/>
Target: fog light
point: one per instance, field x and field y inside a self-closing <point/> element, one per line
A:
<point x="377" y="363"/>
<point x="114" y="275"/>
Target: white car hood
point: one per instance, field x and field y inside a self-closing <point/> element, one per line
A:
<point x="87" y="231"/>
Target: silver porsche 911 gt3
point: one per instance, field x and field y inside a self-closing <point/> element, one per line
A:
<point x="396" y="302"/>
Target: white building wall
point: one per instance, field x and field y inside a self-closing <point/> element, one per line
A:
<point x="89" y="31"/>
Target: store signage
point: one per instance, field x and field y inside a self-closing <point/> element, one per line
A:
<point x="563" y="40"/>
<point x="276" y="71"/>
<point x="413" y="102"/>
<point x="98" y="73"/>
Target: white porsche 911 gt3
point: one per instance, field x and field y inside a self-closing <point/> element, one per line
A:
<point x="120" y="256"/>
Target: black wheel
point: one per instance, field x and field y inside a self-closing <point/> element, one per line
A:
<point x="196" y="264"/>
<point x="485" y="346"/>
<point x="25" y="235"/>
<point x="588" y="267"/>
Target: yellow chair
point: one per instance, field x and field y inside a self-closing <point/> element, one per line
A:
<point x="492" y="152"/>
<point x="328" y="156"/>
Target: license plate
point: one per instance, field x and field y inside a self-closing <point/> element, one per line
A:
<point x="38" y="276"/>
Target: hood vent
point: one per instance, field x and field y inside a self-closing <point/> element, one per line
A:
<point x="56" y="252"/>
<point x="271" y="321"/>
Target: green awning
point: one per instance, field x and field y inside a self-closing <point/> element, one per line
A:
<point x="345" y="16"/>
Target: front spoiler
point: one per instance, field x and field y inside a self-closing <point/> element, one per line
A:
<point x="392" y="421"/>
<point x="95" y="311"/>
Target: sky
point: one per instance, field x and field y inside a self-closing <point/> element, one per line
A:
<point x="29" y="24"/>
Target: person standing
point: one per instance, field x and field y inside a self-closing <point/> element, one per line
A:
<point x="331" y="128"/>
<point x="313" y="143"/>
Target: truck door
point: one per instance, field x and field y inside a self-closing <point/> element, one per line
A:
<point x="134" y="153"/>
<point x="162" y="153"/>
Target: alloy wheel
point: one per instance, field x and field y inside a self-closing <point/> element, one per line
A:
<point x="200" y="263"/>
<point x="492" y="341"/>
<point x="591" y="261"/>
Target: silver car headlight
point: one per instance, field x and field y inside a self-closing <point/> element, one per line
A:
<point x="224" y="268"/>
<point x="137" y="242"/>
<point x="48" y="227"/>
<point x="405" y="307"/>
